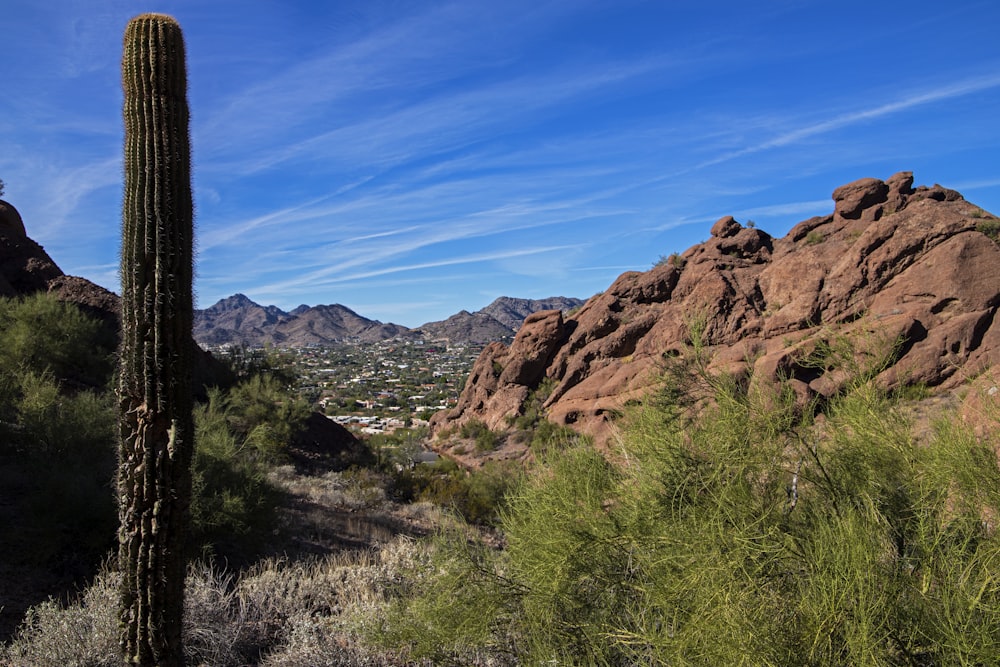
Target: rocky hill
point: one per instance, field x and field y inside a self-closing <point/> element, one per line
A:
<point x="512" y="312"/>
<point x="891" y="264"/>
<point x="238" y="320"/>
<point x="25" y="268"/>
<point x="496" y="322"/>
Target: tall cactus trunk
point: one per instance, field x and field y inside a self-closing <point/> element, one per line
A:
<point x="154" y="384"/>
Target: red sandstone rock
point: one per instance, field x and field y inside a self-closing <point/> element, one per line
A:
<point x="900" y="272"/>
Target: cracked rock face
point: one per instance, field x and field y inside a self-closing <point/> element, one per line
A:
<point x="891" y="264"/>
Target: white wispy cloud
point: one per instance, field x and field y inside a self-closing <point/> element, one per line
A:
<point x="920" y="98"/>
<point x="977" y="184"/>
<point x="423" y="126"/>
<point x="329" y="276"/>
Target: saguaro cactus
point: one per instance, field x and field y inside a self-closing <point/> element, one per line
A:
<point x="154" y="384"/>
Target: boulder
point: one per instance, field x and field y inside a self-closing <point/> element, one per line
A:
<point x="853" y="199"/>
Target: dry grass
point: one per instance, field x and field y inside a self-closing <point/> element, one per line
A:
<point x="349" y="554"/>
<point x="278" y="613"/>
<point x="345" y="510"/>
<point x="83" y="633"/>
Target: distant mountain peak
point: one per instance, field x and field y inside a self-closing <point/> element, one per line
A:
<point x="239" y="320"/>
<point x="497" y="321"/>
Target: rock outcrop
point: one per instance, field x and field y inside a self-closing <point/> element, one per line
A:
<point x="25" y="268"/>
<point x="892" y="265"/>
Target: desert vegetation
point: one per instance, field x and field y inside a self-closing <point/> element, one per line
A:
<point x="750" y="532"/>
<point x="57" y="506"/>
<point x="57" y="454"/>
<point x="730" y="524"/>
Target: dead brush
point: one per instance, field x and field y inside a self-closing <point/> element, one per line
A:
<point x="279" y="612"/>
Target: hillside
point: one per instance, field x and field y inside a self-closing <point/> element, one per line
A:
<point x="909" y="272"/>
<point x="25" y="268"/>
<point x="237" y="320"/>
<point x="498" y="321"/>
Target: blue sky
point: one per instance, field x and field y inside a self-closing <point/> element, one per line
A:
<point x="411" y="159"/>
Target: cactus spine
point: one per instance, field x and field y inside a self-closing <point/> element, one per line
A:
<point x="154" y="384"/>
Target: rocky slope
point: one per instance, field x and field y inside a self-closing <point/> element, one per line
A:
<point x="25" y="268"/>
<point x="236" y="320"/>
<point x="891" y="263"/>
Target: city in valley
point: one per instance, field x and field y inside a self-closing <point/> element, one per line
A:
<point x="374" y="388"/>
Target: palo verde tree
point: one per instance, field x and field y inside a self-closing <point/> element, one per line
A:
<point x="154" y="384"/>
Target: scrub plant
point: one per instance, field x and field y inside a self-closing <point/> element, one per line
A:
<point x="745" y="531"/>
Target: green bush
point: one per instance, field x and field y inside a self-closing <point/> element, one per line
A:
<point x="62" y="450"/>
<point x="41" y="333"/>
<point x="398" y="449"/>
<point x="264" y="414"/>
<point x="745" y="535"/>
<point x="478" y="496"/>
<point x="542" y="435"/>
<point x="548" y="437"/>
<point x="57" y="437"/>
<point x="486" y="440"/>
<point x="815" y="237"/>
<point x="990" y="227"/>
<point x="239" y="435"/>
<point x="673" y="259"/>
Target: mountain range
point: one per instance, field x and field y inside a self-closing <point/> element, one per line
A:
<point x="237" y="320"/>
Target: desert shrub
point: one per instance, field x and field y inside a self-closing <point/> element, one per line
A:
<point x="43" y="334"/>
<point x="57" y="438"/>
<point x="532" y="411"/>
<point x="233" y="503"/>
<point x="745" y="532"/>
<point x="398" y="449"/>
<point x="548" y="437"/>
<point x="455" y="608"/>
<point x="673" y="259"/>
<point x="478" y="496"/>
<point x="485" y="439"/>
<point x="240" y="434"/>
<point x="265" y="414"/>
<point x="532" y="427"/>
<point x="82" y="632"/>
<point x="473" y="428"/>
<point x="70" y="510"/>
<point x="815" y="237"/>
<point x="990" y="227"/>
<point x="242" y="431"/>
<point x="275" y="613"/>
